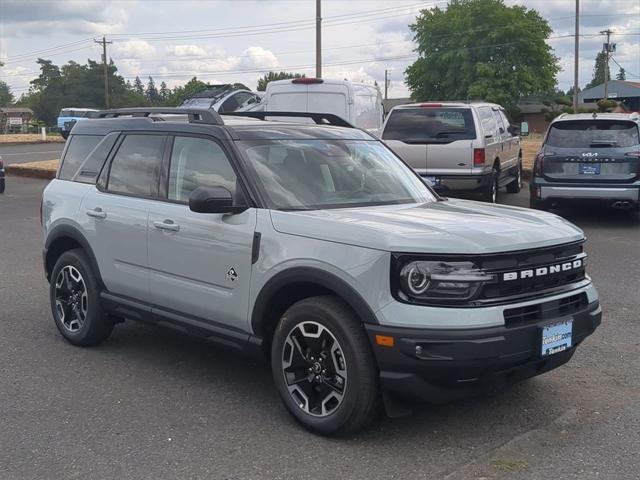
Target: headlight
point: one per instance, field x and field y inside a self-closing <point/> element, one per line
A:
<point x="441" y="282"/>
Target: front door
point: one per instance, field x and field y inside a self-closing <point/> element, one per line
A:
<point x="200" y="264"/>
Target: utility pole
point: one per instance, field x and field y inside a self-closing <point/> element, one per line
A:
<point x="386" y="83"/>
<point x="106" y="69"/>
<point x="318" y="41"/>
<point x="576" y="59"/>
<point x="607" y="50"/>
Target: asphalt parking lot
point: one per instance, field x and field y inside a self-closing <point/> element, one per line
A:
<point x="149" y="404"/>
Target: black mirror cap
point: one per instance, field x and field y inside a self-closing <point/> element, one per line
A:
<point x="213" y="200"/>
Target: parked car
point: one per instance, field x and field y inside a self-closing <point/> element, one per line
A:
<point x="2" y="176"/>
<point x="589" y="157"/>
<point x="224" y="98"/>
<point x="69" y="116"/>
<point x="311" y="245"/>
<point x="461" y="149"/>
<point x="358" y="103"/>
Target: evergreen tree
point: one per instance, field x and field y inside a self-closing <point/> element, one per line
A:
<point x="271" y="76"/>
<point x="152" y="92"/>
<point x="138" y="87"/>
<point x="622" y="74"/>
<point x="164" y="92"/>
<point x="598" y="70"/>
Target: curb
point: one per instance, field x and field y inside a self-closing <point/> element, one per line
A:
<point x="29" y="170"/>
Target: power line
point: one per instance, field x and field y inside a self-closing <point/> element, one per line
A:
<point x="625" y="70"/>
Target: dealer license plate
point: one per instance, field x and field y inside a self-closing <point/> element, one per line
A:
<point x="556" y="337"/>
<point x="589" y="169"/>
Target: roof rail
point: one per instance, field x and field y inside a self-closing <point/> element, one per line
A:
<point x="319" y="118"/>
<point x="196" y="115"/>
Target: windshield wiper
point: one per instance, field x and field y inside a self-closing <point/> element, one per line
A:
<point x="426" y="141"/>
<point x="448" y="132"/>
<point x="604" y="143"/>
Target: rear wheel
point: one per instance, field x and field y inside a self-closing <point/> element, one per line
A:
<point x="516" y="185"/>
<point x="323" y="367"/>
<point x="75" y="302"/>
<point x="491" y="193"/>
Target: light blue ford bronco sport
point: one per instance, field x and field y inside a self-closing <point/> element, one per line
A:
<point x="313" y="246"/>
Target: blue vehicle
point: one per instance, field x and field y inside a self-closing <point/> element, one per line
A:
<point x="69" y="116"/>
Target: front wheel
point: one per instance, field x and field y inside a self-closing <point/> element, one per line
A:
<point x="75" y="302"/>
<point x="324" y="368"/>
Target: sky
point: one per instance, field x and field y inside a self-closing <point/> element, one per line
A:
<point x="224" y="41"/>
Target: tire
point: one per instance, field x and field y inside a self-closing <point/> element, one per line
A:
<point x="516" y="185"/>
<point x="2" y="185"/>
<point x="74" y="293"/>
<point x="491" y="193"/>
<point x="350" y="403"/>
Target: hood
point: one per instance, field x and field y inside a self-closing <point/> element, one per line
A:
<point x="451" y="226"/>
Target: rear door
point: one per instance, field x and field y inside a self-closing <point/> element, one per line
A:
<point x="329" y="98"/>
<point x="115" y="214"/>
<point x="592" y="151"/>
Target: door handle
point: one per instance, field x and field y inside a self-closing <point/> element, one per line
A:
<point x="167" y="225"/>
<point x="97" y="213"/>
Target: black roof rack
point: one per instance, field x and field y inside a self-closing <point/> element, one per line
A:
<point x="196" y="115"/>
<point x="319" y="118"/>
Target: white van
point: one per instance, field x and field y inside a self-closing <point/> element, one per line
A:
<point x="358" y="103"/>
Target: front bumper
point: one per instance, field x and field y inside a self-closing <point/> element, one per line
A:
<point x="452" y="364"/>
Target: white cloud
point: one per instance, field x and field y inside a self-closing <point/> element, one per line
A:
<point x="136" y="49"/>
<point x="258" y="57"/>
<point x="187" y="51"/>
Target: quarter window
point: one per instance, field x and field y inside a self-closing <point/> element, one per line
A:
<point x="79" y="147"/>
<point x="198" y="162"/>
<point x="135" y="166"/>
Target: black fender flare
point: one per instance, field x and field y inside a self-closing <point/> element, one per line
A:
<point x="73" y="233"/>
<point x="309" y="275"/>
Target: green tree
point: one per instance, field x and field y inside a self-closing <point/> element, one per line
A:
<point x="138" y="86"/>
<point x="6" y="97"/>
<point x="622" y="74"/>
<point x="481" y="49"/>
<point x="598" y="71"/>
<point x="180" y="93"/>
<point x="164" y="91"/>
<point x="272" y="76"/>
<point x="152" y="92"/>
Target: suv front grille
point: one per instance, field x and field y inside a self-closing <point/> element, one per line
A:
<point x="514" y="317"/>
<point x="532" y="271"/>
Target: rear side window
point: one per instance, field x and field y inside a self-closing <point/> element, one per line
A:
<point x="489" y="124"/>
<point x="413" y="125"/>
<point x="135" y="167"/>
<point x="93" y="163"/>
<point x="593" y="134"/>
<point x="79" y="147"/>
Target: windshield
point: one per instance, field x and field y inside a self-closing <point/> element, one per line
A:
<point x="319" y="174"/>
<point x="430" y="124"/>
<point x="593" y="134"/>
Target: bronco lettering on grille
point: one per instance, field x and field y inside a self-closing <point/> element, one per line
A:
<point x="542" y="271"/>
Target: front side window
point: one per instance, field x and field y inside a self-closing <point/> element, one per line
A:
<point x="319" y="174"/>
<point x="198" y="162"/>
<point x="593" y="134"/>
<point x="135" y="166"/>
<point x="430" y="124"/>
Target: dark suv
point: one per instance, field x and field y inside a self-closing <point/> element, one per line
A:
<point x="589" y="157"/>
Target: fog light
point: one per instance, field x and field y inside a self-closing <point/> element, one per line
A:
<point x="418" y="350"/>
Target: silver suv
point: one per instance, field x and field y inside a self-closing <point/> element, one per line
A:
<point x="461" y="149"/>
<point x="313" y="246"/>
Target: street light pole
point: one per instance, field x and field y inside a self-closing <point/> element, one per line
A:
<point x="607" y="49"/>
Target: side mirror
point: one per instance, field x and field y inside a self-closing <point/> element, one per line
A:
<point x="524" y="129"/>
<point x="213" y="200"/>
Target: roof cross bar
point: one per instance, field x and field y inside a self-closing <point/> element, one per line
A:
<point x="196" y="115"/>
<point x="319" y="118"/>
